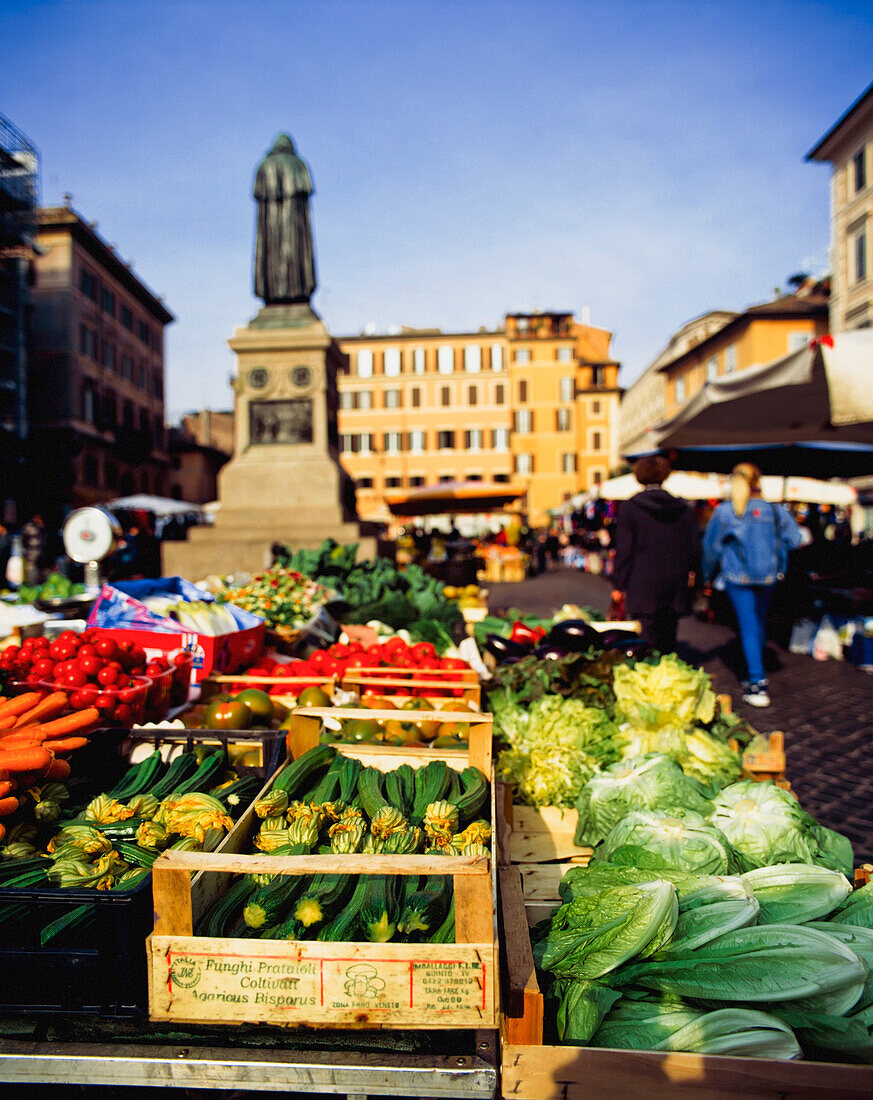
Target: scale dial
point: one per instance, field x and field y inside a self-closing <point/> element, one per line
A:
<point x="89" y="534"/>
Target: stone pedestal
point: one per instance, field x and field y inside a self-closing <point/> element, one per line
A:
<point x="285" y="482"/>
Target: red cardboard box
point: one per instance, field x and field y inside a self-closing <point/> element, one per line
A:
<point x="221" y="653"/>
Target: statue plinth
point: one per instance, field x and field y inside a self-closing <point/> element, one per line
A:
<point x="285" y="482"/>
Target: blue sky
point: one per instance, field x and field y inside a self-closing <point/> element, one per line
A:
<point x="645" y="159"/>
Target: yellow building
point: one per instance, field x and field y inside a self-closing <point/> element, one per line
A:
<point x="534" y="402"/>
<point x="759" y="335"/>
<point x="847" y="146"/>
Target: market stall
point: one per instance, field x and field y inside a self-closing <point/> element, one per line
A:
<point x="344" y="847"/>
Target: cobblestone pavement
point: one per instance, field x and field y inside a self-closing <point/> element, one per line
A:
<point x="825" y="708"/>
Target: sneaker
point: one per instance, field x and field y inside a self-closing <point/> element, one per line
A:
<point x="757" y="696"/>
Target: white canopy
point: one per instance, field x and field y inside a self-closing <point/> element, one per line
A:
<point x="691" y="486"/>
<point x="158" y="506"/>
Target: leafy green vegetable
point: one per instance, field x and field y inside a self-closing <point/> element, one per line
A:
<point x="644" y="1024"/>
<point x="712" y="912"/>
<point x="583" y="882"/>
<point x="652" y="782"/>
<point x="581" y="1009"/>
<point x="860" y="940"/>
<point x="764" y="822"/>
<point x="592" y="936"/>
<point x="742" y="1032"/>
<point x="689" y="843"/>
<point x="669" y="693"/>
<point x="857" y="910"/>
<point x="793" y="893"/>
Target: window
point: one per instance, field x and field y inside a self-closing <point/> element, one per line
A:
<point x="392" y="362"/>
<point x="393" y="441"/>
<point x="472" y="395"/>
<point x="445" y="395"/>
<point x="416" y="481"/>
<point x="346" y="399"/>
<point x="142" y="331"/>
<point x="365" y="363"/>
<point x="524" y="464"/>
<point x="347" y="443"/>
<point x="860" y="169"/>
<point x="680" y="389"/>
<point x="157" y="385"/>
<point x="473" y="439"/>
<point x="598" y="376"/>
<point x="596" y="441"/>
<point x="88" y="284"/>
<point x="501" y="477"/>
<point x="564" y="354"/>
<point x="126" y="367"/>
<point x="88" y="403"/>
<point x="712" y="368"/>
<point x="596" y="477"/>
<point x="89" y="470"/>
<point x="367" y="443"/>
<point x="393" y="482"/>
<point x="446" y="440"/>
<point x="87" y="341"/>
<point x="499" y="395"/>
<point x="562" y="420"/>
<point x="860" y="251"/>
<point x="392" y="399"/>
<point x="158" y="434"/>
<point x="109" y="355"/>
<point x="522" y="390"/>
<point x="365" y="399"/>
<point x="730" y="359"/>
<point x="797" y="341"/>
<point x="568" y="464"/>
<point x="364" y="483"/>
<point x="143" y="420"/>
<point x="497" y="357"/>
<point x="523" y="420"/>
<point x="500" y="439"/>
<point x="445" y="359"/>
<point x="522" y="355"/>
<point x="417" y="439"/>
<point x="472" y="358"/>
<point x="418" y="361"/>
<point x="595" y="408"/>
<point x="141" y="375"/>
<point x="443" y="478"/>
<point x="108" y="411"/>
<point x="107" y="301"/>
<point x="415" y="397"/>
<point x="566" y="392"/>
<point x="127" y="318"/>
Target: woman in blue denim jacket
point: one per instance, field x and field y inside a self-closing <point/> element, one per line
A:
<point x="746" y="545"/>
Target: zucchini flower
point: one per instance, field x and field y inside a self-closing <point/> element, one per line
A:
<point x="89" y="841"/>
<point x="74" y="874"/>
<point x="346" y="835"/>
<point x="24" y="832"/>
<point x="447" y="849"/>
<point x="441" y="818"/>
<point x="47" y="811"/>
<point x="152" y="835"/>
<point x="268" y="840"/>
<point x="474" y="849"/>
<point x="304" y="811"/>
<point x="273" y="804"/>
<point x="49" y="792"/>
<point x="131" y="878"/>
<point x="332" y="811"/>
<point x="373" y="845"/>
<point x="144" y="805"/>
<point x="106" y="810"/>
<point x="477" y="832"/>
<point x="186" y="844"/>
<point x="303" y="832"/>
<point x="403" y="843"/>
<point x="18" y="849"/>
<point x="387" y="822"/>
<point x="192" y="814"/>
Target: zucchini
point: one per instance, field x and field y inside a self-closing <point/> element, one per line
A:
<point x="11" y="868"/>
<point x="344" y="926"/>
<point x="349" y="773"/>
<point x="423" y="913"/>
<point x="474" y="795"/>
<point x="400" y="788"/>
<point x="136" y="854"/>
<point x="379" y="910"/>
<point x="370" y="791"/>
<point x="292" y="777"/>
<point x="323" y="894"/>
<point x="27" y="880"/>
<point x="113" y="830"/>
<point x="269" y="904"/>
<point x="66" y="927"/>
<point x="206" y="775"/>
<point x="431" y="784"/>
<point x="454" y="790"/>
<point x="446" y="931"/>
<point x="180" y="769"/>
<point x="220" y="917"/>
<point x="236" y="796"/>
<point x="140" y="778"/>
<point x="327" y="788"/>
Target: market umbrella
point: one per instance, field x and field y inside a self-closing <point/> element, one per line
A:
<point x="454" y="496"/>
<point x="158" y="506"/>
<point x="689" y="486"/>
<point x="810" y="412"/>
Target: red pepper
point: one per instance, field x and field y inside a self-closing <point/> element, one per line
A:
<point x="523" y="634"/>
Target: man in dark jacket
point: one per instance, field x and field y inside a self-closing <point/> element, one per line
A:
<point x="657" y="544"/>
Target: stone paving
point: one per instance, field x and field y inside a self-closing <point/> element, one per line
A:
<point x="824" y="708"/>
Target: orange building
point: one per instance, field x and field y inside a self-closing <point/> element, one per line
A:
<point x="534" y="402"/>
<point x="759" y="335"/>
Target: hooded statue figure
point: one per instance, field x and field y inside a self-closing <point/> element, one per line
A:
<point x="284" y="256"/>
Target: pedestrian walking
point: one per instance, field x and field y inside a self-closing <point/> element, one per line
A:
<point x="745" y="551"/>
<point x="656" y="551"/>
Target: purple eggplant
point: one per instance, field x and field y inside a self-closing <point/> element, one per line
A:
<point x="501" y="649"/>
<point x="574" y="636"/>
<point x="610" y="637"/>
<point x="632" y="647"/>
<point x="549" y="651"/>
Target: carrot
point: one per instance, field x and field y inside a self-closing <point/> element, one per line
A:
<point x="67" y="744"/>
<point x="50" y="706"/>
<point x="70" y="723"/>
<point x="58" y="770"/>
<point x="8" y="805"/>
<point x="2" y="831"/>
<point x="36" y="758"/>
<point x="27" y="736"/>
<point x="5" y="787"/>
<point x="11" y="709"/>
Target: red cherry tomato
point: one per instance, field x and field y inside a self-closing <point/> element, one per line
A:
<point x="106" y="648"/>
<point x="138" y="656"/>
<point x="453" y="663"/>
<point x="107" y="676"/>
<point x="340" y="651"/>
<point x="129" y="694"/>
<point x="79" y="700"/>
<point x="105" y="702"/>
<point x="317" y="659"/>
<point x="124" y="714"/>
<point x="90" y="664"/>
<point x="424" y="651"/>
<point x="86" y="650"/>
<point x="181" y="659"/>
<point x="44" y="668"/>
<point x="75" y="678"/>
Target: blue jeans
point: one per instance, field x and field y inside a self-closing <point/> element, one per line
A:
<point x="751" y="602"/>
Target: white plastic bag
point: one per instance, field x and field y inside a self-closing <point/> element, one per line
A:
<point x="826" y="643"/>
<point x="802" y="636"/>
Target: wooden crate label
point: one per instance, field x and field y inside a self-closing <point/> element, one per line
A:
<point x="318" y="983"/>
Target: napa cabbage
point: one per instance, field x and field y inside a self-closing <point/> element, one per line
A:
<point x="793" y="893"/>
<point x="689" y="843"/>
<point x="653" y="782"/>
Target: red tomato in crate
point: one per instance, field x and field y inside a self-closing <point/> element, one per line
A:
<point x="90" y="664"/>
<point x="106" y="648"/>
<point x="341" y="651"/>
<point x="317" y="659"/>
<point x="107" y="676"/>
<point x="77" y="677"/>
<point x="105" y="703"/>
<point x="86" y="650"/>
<point x="453" y="663"/>
<point x="422" y="651"/>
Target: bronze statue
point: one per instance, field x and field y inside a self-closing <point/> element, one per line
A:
<point x="284" y="256"/>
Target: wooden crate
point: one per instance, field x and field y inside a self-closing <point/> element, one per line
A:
<point x="305" y="726"/>
<point x="217" y="685"/>
<point x="531" y="1070"/>
<point x="361" y="682"/>
<point x="202" y="980"/>
<point x="526" y="835"/>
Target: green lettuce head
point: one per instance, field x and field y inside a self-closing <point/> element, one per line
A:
<point x="669" y="693"/>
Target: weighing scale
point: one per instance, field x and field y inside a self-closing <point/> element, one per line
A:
<point x="90" y="535"/>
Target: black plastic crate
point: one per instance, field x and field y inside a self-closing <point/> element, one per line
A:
<point x="101" y="971"/>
